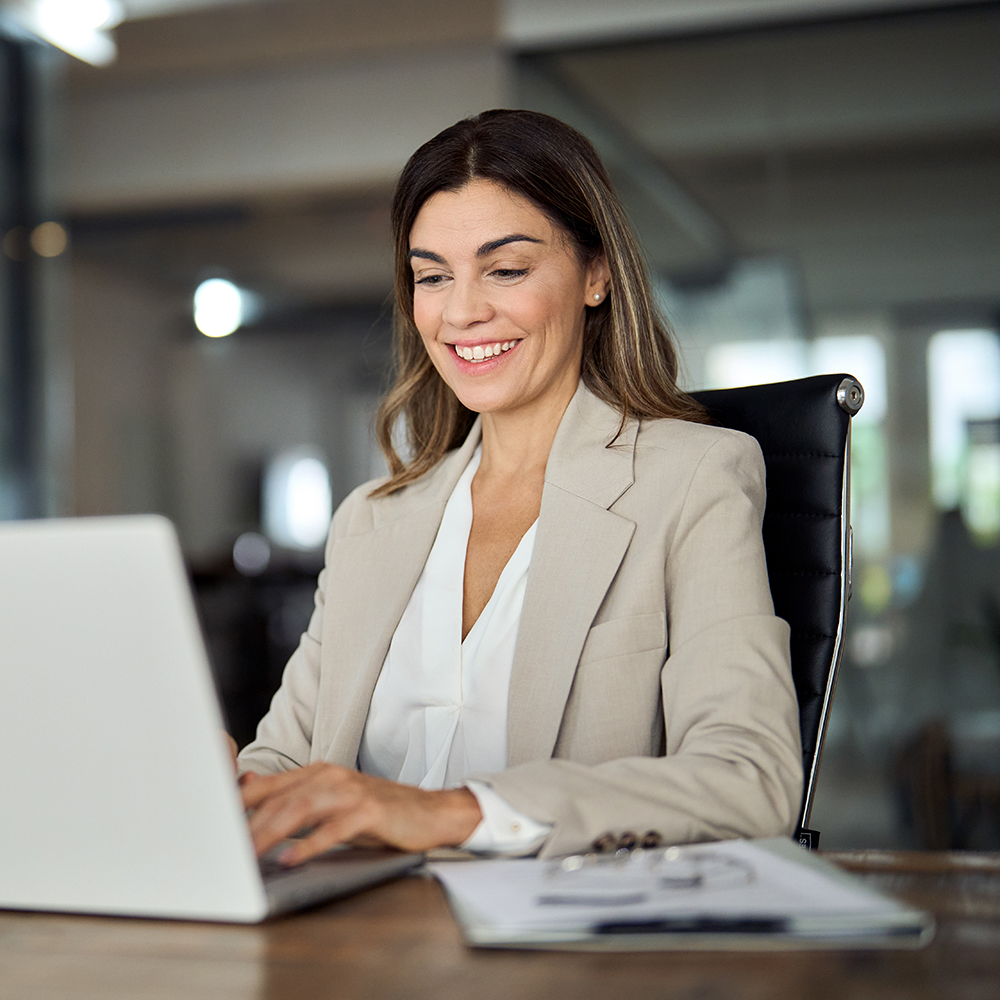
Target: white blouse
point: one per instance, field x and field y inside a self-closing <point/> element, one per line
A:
<point x="439" y="709"/>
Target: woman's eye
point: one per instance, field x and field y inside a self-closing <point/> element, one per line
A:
<point x="508" y="273"/>
<point x="430" y="280"/>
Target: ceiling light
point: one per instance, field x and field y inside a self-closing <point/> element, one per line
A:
<point x="78" y="16"/>
<point x="49" y="239"/>
<point x="79" y="27"/>
<point x="251" y="553"/>
<point x="218" y="307"/>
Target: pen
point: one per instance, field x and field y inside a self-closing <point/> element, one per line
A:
<point x="695" y="925"/>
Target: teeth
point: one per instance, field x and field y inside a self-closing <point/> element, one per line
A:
<point x="480" y="353"/>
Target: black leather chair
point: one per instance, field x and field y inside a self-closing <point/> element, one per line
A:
<point x="804" y="430"/>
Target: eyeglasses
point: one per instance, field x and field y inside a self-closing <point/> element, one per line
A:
<point x="631" y="877"/>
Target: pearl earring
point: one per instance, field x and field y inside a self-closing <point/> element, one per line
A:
<point x="597" y="296"/>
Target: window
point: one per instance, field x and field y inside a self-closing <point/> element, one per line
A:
<point x="963" y="390"/>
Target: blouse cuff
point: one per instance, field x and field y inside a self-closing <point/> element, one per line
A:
<point x="503" y="830"/>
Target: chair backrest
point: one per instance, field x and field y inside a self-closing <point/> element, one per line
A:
<point x="804" y="431"/>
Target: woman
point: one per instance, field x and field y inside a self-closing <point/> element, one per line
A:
<point x="552" y="622"/>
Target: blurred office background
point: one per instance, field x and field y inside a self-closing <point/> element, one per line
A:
<point x="196" y="263"/>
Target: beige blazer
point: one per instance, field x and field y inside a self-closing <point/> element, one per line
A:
<point x="651" y="686"/>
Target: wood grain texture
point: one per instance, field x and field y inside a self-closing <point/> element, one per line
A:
<point x="399" y="940"/>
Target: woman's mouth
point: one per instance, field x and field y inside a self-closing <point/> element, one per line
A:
<point x="483" y="352"/>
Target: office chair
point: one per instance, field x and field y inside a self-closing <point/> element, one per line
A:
<point x="804" y="431"/>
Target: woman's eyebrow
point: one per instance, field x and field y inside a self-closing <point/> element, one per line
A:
<point x="488" y="248"/>
<point x="425" y="255"/>
<point x="483" y="251"/>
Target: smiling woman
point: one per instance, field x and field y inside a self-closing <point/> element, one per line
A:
<point x="541" y="168"/>
<point x="551" y="624"/>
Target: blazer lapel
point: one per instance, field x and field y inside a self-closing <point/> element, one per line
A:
<point x="366" y="598"/>
<point x="578" y="548"/>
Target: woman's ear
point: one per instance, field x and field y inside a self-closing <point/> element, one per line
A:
<point x="598" y="280"/>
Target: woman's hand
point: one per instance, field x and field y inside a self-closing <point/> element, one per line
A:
<point x="339" y="805"/>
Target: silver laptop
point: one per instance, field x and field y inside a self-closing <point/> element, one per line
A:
<point x="116" y="789"/>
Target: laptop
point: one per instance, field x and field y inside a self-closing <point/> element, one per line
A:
<point x="117" y="793"/>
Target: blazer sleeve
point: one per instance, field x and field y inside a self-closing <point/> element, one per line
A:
<point x="732" y="763"/>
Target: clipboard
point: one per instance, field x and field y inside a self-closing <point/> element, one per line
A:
<point x="734" y="895"/>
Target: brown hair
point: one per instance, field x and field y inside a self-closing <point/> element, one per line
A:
<point x="629" y="359"/>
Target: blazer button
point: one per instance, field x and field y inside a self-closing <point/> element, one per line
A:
<point x="605" y="843"/>
<point x="627" y="841"/>
<point x="651" y="839"/>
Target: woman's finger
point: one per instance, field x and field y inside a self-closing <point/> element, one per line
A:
<point x="293" y="806"/>
<point x="277" y="822"/>
<point x="288" y="814"/>
<point x="323" y="838"/>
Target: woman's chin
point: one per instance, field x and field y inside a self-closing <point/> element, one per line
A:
<point x="501" y="398"/>
<point x="486" y="402"/>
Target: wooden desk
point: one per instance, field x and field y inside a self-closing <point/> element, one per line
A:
<point x="399" y="940"/>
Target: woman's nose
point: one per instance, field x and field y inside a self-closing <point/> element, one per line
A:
<point x="466" y="305"/>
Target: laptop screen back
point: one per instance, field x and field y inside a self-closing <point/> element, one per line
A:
<point x="116" y="788"/>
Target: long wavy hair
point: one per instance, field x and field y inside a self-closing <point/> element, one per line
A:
<point x="629" y="359"/>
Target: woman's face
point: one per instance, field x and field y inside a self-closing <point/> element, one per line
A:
<point x="498" y="297"/>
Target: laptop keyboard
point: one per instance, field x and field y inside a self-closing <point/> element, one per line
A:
<point x="337" y="872"/>
<point x="271" y="868"/>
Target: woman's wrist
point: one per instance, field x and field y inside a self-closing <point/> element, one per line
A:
<point x="459" y="812"/>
